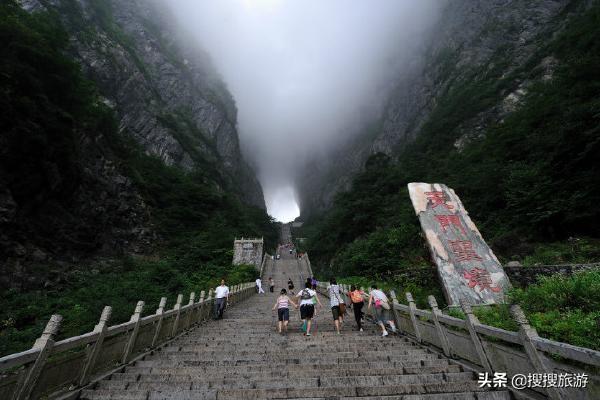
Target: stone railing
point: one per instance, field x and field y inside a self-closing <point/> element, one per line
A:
<point x="262" y="265"/>
<point x="61" y="369"/>
<point x="483" y="348"/>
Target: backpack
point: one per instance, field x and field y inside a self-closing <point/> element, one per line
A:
<point x="306" y="295"/>
<point x="356" y="296"/>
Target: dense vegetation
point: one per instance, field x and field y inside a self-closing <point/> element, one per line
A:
<point x="530" y="183"/>
<point x="49" y="109"/>
<point x="562" y="308"/>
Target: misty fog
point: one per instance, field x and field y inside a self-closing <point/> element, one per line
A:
<point x="305" y="74"/>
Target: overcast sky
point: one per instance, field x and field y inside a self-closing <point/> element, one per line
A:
<point x="304" y="73"/>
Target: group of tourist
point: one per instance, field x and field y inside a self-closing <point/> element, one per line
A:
<point x="309" y="299"/>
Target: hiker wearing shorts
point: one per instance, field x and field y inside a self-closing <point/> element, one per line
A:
<point x="382" y="309"/>
<point x="291" y="286"/>
<point x="283" y="310"/>
<point x="338" y="307"/>
<point x="356" y="296"/>
<point x="307" y="308"/>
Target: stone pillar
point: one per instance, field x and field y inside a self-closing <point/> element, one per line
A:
<point x="200" y="306"/>
<point x="209" y="301"/>
<point x="177" y="309"/>
<point x="160" y="312"/>
<point x="395" y="309"/>
<point x="135" y="318"/>
<point x="190" y="310"/>
<point x="95" y="348"/>
<point x="471" y="320"/>
<point x="413" y="316"/>
<point x="441" y="330"/>
<point x="44" y="343"/>
<point x="527" y="334"/>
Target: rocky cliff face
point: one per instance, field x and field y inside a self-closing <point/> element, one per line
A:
<point x="472" y="38"/>
<point x="165" y="95"/>
<point x="163" y="89"/>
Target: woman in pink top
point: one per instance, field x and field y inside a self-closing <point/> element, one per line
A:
<point x="283" y="310"/>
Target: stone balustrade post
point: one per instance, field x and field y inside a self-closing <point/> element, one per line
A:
<point x="44" y="343"/>
<point x="190" y="310"/>
<point x="471" y="320"/>
<point x="200" y="306"/>
<point x="94" y="349"/>
<point x="441" y="330"/>
<point x="208" y="307"/>
<point x="177" y="309"/>
<point x="233" y="295"/>
<point x="135" y="318"/>
<point x="160" y="312"/>
<point x="395" y="310"/>
<point x="413" y="316"/>
<point x="527" y="333"/>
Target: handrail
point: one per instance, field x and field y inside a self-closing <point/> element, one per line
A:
<point x="102" y="349"/>
<point x="458" y="339"/>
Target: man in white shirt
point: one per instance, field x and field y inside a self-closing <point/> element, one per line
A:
<point x="221" y="299"/>
<point x="259" y="288"/>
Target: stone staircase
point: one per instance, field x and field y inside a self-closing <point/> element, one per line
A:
<point x="243" y="357"/>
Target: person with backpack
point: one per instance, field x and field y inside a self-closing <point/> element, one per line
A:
<point x="356" y="297"/>
<point x="291" y="286"/>
<point x="382" y="309"/>
<point x="307" y="308"/>
<point x="338" y="307"/>
<point x="283" y="310"/>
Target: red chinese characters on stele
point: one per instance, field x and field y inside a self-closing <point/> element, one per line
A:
<point x="481" y="278"/>
<point x="463" y="250"/>
<point x="438" y="199"/>
<point x="447" y="220"/>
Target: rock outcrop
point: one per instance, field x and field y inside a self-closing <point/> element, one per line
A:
<point x="164" y="90"/>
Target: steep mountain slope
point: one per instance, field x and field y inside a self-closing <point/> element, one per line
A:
<point x="168" y="100"/>
<point x="163" y="89"/>
<point x="472" y="40"/>
<point x="505" y="111"/>
<point x="100" y="160"/>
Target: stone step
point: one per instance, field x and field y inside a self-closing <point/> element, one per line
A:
<point x="340" y="345"/>
<point x="243" y="357"/>
<point x="273" y="354"/>
<point x="232" y="359"/>
<point x="143" y="374"/>
<point x="443" y="391"/>
<point x="196" y="366"/>
<point x="182" y="382"/>
<point x="348" y="391"/>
